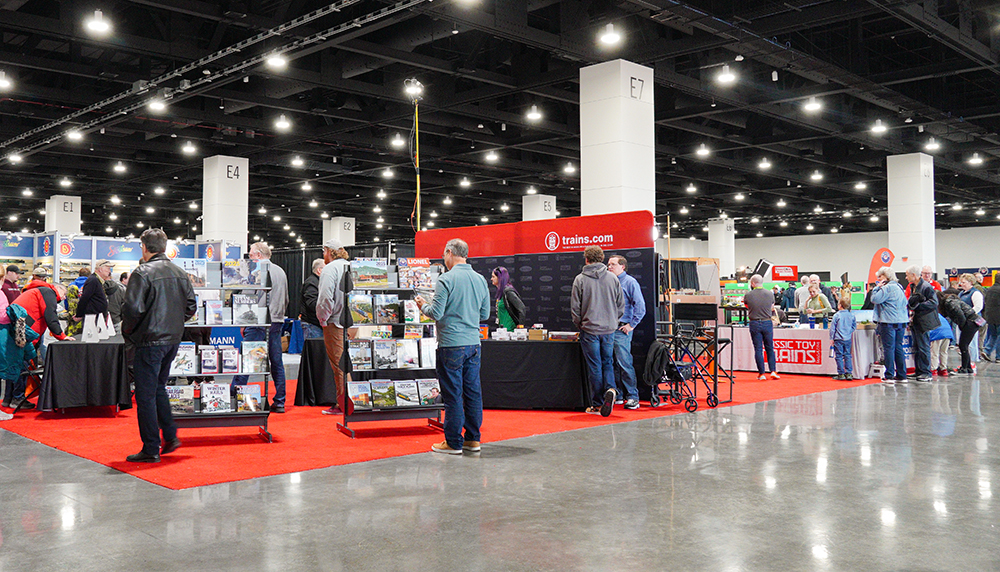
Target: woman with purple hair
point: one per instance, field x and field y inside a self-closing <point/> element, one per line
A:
<point x="510" y="308"/>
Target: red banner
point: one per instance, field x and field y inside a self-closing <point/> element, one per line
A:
<point x="804" y="352"/>
<point x="616" y="231"/>
<point x="787" y="273"/>
<point x="882" y="257"/>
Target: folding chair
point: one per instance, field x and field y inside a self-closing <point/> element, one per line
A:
<point x="32" y="383"/>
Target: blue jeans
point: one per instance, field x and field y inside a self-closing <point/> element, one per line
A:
<point x="152" y="368"/>
<point x="311" y="331"/>
<point x="921" y="352"/>
<point x="624" y="369"/>
<point x="273" y="336"/>
<point x="598" y="353"/>
<point x="762" y="335"/>
<point x="892" y="347"/>
<point x="458" y="374"/>
<point x="991" y="343"/>
<point x="842" y="354"/>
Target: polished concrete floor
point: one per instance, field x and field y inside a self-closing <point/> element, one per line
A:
<point x="873" y="478"/>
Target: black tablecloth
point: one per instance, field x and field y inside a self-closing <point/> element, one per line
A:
<point x="315" y="385"/>
<point x="533" y="375"/>
<point x="79" y="374"/>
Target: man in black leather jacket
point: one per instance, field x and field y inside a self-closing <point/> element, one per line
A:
<point x="158" y="301"/>
<point x="923" y="302"/>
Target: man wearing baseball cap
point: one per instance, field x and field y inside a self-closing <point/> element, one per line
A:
<point x="93" y="300"/>
<point x="333" y="313"/>
<point x="10" y="287"/>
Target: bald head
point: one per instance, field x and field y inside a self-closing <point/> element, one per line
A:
<point x="756" y="281"/>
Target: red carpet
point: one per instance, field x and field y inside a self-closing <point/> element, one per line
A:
<point x="304" y="439"/>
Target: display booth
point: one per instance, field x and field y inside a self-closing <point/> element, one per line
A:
<point x="543" y="257"/>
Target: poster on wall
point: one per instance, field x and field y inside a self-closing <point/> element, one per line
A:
<point x="370" y="272"/>
<point x="18" y="250"/>
<point x="74" y="255"/>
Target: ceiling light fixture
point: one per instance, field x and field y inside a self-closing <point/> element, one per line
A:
<point x="932" y="145"/>
<point x="781" y="202"/>
<point x="324" y="215"/>
<point x="15" y="157"/>
<point x="177" y="220"/>
<point x="65" y="182"/>
<point x="413" y="88"/>
<point x="817" y="209"/>
<point x="739" y="196"/>
<point x="783" y="223"/>
<point x="534" y="114"/>
<point x="874" y="218"/>
<point x="377" y="209"/>
<point x="159" y="190"/>
<point x="150" y="210"/>
<point x="956" y="207"/>
<point x="816" y="176"/>
<point x="277" y="61"/>
<point x="702" y="151"/>
<point x="434" y="214"/>
<point x="74" y="135"/>
<point x="464" y="182"/>
<point x="812" y="105"/>
<point x="262" y="210"/>
<point x="380" y="194"/>
<point x="380" y="219"/>
<point x="492" y="157"/>
<point x="297" y="161"/>
<point x="27" y="192"/>
<point x="684" y="210"/>
<point x="878" y="128"/>
<point x="485" y="219"/>
<point x="532" y="190"/>
<point x="115" y="200"/>
<point x="834" y="230"/>
<point x="4" y="82"/>
<point x="193" y="206"/>
<point x="282" y="123"/>
<point x="306" y="186"/>
<point x="569" y="169"/>
<point x="447" y="200"/>
<point x="387" y="173"/>
<point x="313" y="203"/>
<point x="398" y="141"/>
<point x="691" y="188"/>
<point x="504" y="207"/>
<point x="848" y="214"/>
<point x="120" y="167"/>
<point x="727" y="76"/>
<point x="610" y="36"/>
<point x="764" y="164"/>
<point x="860" y="186"/>
<point x="157" y="105"/>
<point x="98" y="24"/>
<point x="755" y="220"/>
<point x="189" y="148"/>
<point x="809" y="227"/>
<point x="430" y="223"/>
<point x="975" y="159"/>
<point x="980" y="212"/>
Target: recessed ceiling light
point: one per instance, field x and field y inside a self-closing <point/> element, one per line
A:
<point x="74" y="135"/>
<point x="739" y="196"/>
<point x="727" y="76"/>
<point x="277" y="61"/>
<point x="783" y="223"/>
<point x="297" y="161"/>
<point x="812" y="105"/>
<point x="684" y="210"/>
<point x="113" y="216"/>
<point x="387" y="173"/>
<point x="976" y="159"/>
<point x="691" y="188"/>
<point x="860" y="186"/>
<point x="193" y="206"/>
<point x="189" y="148"/>
<point x="313" y="204"/>
<point x="150" y="210"/>
<point x="276" y="218"/>
<point x="159" y="190"/>
<point x="533" y="113"/>
<point x="398" y="141"/>
<point x="64" y="182"/>
<point x="464" y="182"/>
<point x="492" y="156"/>
<point x="380" y="194"/>
<point x="532" y="190"/>
<point x="120" y="167"/>
<point x="809" y="227"/>
<point x="306" y="186"/>
<point x="702" y="151"/>
<point x="447" y="200"/>
<point x="878" y="128"/>
<point x="609" y="36"/>
<point x="816" y="176"/>
<point x="282" y="123"/>
<point x="569" y="168"/>
<point x="781" y="202"/>
<point x="27" y="192"/>
<point x="932" y="145"/>
<point x="98" y="24"/>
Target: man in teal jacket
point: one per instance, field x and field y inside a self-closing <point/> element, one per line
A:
<point x="461" y="302"/>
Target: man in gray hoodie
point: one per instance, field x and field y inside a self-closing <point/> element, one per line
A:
<point x="597" y="305"/>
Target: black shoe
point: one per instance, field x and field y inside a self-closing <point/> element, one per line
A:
<point x="141" y="457"/>
<point x="609" y="402"/>
<point x="170" y="446"/>
<point x="24" y="404"/>
<point x="5" y="403"/>
<point x="278" y="409"/>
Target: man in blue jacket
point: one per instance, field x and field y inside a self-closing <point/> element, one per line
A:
<point x="635" y="310"/>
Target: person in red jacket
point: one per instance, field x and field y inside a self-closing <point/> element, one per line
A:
<point x="40" y="300"/>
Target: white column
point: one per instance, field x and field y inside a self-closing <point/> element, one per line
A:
<point x="722" y="244"/>
<point x="225" y="199"/>
<point x="62" y="213"/>
<point x="538" y="207"/>
<point x="341" y="228"/>
<point x="911" y="209"/>
<point x="617" y="161"/>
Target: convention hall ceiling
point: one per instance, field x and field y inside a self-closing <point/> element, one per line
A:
<point x="922" y="70"/>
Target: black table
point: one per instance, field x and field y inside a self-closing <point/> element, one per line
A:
<point x="515" y="375"/>
<point x="316" y="386"/>
<point x="79" y="374"/>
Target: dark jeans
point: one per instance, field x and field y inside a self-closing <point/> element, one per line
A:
<point x="922" y="351"/>
<point x="273" y="336"/>
<point x="762" y="334"/>
<point x="967" y="333"/>
<point x="152" y="368"/>
<point x="624" y="368"/>
<point x="458" y="374"/>
<point x="598" y="353"/>
<point x="892" y="347"/>
<point x="843" y="357"/>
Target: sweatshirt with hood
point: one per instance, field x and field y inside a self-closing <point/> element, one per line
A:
<point x="597" y="303"/>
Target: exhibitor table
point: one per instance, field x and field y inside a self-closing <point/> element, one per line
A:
<point x="515" y="375"/>
<point x="81" y="374"/>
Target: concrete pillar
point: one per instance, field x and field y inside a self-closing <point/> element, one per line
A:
<point x="538" y="207"/>
<point x="617" y="161"/>
<point x="341" y="228"/>
<point x="225" y="199"/>
<point x="911" y="209"/>
<point x="62" y="213"/>
<point x="722" y="244"/>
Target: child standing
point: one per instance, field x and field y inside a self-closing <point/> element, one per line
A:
<point x="941" y="338"/>
<point x="842" y="333"/>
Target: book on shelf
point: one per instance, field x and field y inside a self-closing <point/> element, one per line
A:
<point x="196" y="270"/>
<point x="430" y="391"/>
<point x="360" y="352"/>
<point x="248" y="398"/>
<point x="215" y="398"/>
<point x="199" y="311"/>
<point x="370" y="272"/>
<point x="383" y="393"/>
<point x="415" y="273"/>
<point x="186" y="360"/>
<point x="209" y="356"/>
<point x="406" y="393"/>
<point x="230" y="358"/>
<point x="247" y="311"/>
<point x="428" y="353"/>
<point x="181" y="398"/>
<point x="413" y="332"/>
<point x="360" y="304"/>
<point x="243" y="272"/>
<point x="213" y="312"/>
<point x="255" y="357"/>
<point x="384" y="354"/>
<point x="411" y="312"/>
<point x="387" y="309"/>
<point x="360" y="392"/>
<point x="407" y="354"/>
